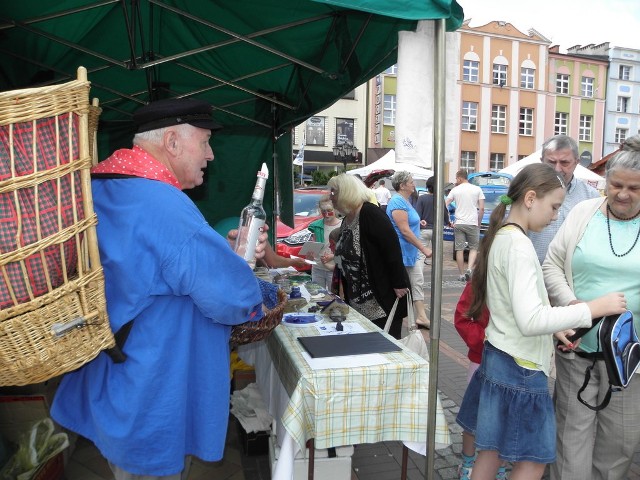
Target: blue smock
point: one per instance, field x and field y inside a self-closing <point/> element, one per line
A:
<point x="167" y="269"/>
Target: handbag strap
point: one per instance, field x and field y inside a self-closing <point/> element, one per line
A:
<point x="410" y="314"/>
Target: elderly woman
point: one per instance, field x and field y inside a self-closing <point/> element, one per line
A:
<point x="368" y="255"/>
<point x="322" y="271"/>
<point x="596" y="251"/>
<point x="406" y="222"/>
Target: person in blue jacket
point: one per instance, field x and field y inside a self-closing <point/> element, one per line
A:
<point x="179" y="287"/>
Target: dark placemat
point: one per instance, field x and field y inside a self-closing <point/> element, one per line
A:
<point x="353" y="344"/>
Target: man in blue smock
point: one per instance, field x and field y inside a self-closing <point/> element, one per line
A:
<point x="184" y="288"/>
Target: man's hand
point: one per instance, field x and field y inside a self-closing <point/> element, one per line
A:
<point x="262" y="241"/>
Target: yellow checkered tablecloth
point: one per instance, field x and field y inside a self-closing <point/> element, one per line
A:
<point x="347" y="406"/>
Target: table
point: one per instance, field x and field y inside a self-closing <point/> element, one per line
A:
<point x="342" y="406"/>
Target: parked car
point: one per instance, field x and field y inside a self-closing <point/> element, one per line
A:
<point x="493" y="184"/>
<point x="305" y="210"/>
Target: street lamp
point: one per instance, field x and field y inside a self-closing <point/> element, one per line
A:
<point x="345" y="152"/>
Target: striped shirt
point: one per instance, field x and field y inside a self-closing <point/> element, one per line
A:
<point x="577" y="191"/>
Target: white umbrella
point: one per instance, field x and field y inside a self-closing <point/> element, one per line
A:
<point x="388" y="162"/>
<point x="582" y="173"/>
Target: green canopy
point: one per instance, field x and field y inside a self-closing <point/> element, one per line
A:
<point x="265" y="65"/>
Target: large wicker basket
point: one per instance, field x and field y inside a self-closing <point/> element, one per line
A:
<point x="53" y="316"/>
<point x="255" y="331"/>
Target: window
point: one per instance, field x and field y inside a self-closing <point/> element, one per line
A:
<point x="496" y="162"/>
<point x="469" y="116"/>
<point x="623" y="104"/>
<point x="584" y="130"/>
<point x="389" y="110"/>
<point x="344" y="131"/>
<point x="526" y="121"/>
<point x="392" y="70"/>
<point x="527" y="76"/>
<point x="562" y="83"/>
<point x="624" y="72"/>
<point x="499" y="119"/>
<point x="499" y="74"/>
<point x="350" y="96"/>
<point x="315" y="131"/>
<point x="621" y="135"/>
<point x="468" y="161"/>
<point x="586" y="88"/>
<point x="561" y="122"/>
<point x="470" y="71"/>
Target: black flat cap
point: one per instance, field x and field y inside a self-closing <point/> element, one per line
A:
<point x="175" y="111"/>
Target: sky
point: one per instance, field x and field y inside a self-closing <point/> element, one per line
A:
<point x="564" y="22"/>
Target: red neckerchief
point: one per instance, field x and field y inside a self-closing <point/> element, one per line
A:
<point x="137" y="163"/>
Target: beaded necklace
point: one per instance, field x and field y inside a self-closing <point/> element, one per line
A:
<point x="609" y="232"/>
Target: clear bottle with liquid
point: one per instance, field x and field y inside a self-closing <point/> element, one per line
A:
<point x="252" y="220"/>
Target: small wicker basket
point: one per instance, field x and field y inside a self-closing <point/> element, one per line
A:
<point x="53" y="315"/>
<point x="250" y="332"/>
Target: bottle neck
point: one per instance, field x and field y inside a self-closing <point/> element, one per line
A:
<point x="258" y="192"/>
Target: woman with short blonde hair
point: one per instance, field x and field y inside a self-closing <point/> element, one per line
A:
<point x="368" y="256"/>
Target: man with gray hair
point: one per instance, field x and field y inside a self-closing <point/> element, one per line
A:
<point x="561" y="152"/>
<point x="175" y="288"/>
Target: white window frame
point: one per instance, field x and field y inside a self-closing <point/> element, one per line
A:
<point x="389" y="114"/>
<point x="584" y="129"/>
<point x="621" y="135"/>
<point x="623" y="104"/>
<point x="471" y="71"/>
<point x="468" y="161"/>
<point x="496" y="162"/>
<point x="624" y="72"/>
<point x="586" y="87"/>
<point x="526" y="121"/>
<point x="469" y="119"/>
<point x="561" y="123"/>
<point x="527" y="78"/>
<point x="562" y="83"/>
<point x="500" y="74"/>
<point x="392" y="70"/>
<point x="498" y="119"/>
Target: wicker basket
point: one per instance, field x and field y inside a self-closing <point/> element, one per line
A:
<point x="53" y="316"/>
<point x="249" y="332"/>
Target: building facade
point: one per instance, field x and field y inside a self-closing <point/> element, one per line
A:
<point x="503" y="85"/>
<point x="577" y="86"/>
<point x="344" y="122"/>
<point x="623" y="97"/>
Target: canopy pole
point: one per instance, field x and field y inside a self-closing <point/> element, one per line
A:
<point x="438" y="230"/>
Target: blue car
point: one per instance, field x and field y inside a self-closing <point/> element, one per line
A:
<point x="493" y="184"/>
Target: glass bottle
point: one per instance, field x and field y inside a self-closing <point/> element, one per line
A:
<point x="252" y="220"/>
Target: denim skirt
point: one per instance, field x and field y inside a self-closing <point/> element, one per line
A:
<point x="508" y="408"/>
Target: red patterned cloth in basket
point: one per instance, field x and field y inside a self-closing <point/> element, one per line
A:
<point x="32" y="213"/>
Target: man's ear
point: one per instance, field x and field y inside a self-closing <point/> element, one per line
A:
<point x="170" y="141"/>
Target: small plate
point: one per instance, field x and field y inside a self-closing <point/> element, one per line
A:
<point x="300" y="319"/>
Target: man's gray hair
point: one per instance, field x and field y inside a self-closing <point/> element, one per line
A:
<point x="399" y="178"/>
<point x="560" y="142"/>
<point x="155" y="136"/>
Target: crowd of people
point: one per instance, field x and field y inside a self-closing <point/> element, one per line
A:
<point x="564" y="255"/>
<point x="556" y="256"/>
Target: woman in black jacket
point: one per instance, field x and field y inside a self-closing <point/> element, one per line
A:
<point x="368" y="255"/>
